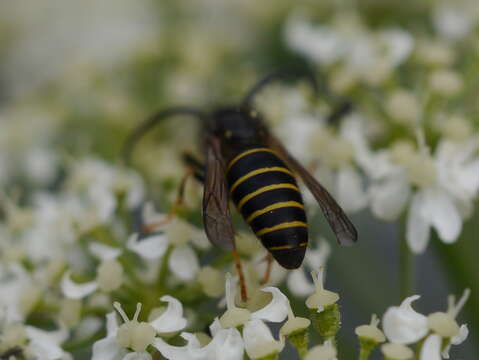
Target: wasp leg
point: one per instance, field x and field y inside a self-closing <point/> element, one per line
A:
<point x="269" y="265"/>
<point x="196" y="165"/>
<point x="239" y="270"/>
<point x="194" y="168"/>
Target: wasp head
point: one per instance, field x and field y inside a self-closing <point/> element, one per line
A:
<point x="238" y="126"/>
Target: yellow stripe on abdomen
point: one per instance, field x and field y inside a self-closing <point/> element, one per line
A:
<point x="246" y="153"/>
<point x="257" y="172"/>
<point x="275" y="206"/>
<point x="284" y="225"/>
<point x="265" y="189"/>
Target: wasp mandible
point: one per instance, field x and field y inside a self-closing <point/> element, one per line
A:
<point x="246" y="163"/>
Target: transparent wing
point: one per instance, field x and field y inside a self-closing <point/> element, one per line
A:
<point x="216" y="213"/>
<point x="343" y="228"/>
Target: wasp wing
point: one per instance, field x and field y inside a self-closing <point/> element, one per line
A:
<point x="216" y="213"/>
<point x="343" y="228"/>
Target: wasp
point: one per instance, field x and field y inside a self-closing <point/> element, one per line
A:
<point x="245" y="163"/>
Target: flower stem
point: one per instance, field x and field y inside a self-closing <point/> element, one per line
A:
<point x="406" y="270"/>
<point x="163" y="270"/>
<point x="364" y="353"/>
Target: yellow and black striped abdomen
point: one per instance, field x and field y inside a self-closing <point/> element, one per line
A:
<point x="267" y="195"/>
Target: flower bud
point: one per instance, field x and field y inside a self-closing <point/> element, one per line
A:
<point x="110" y="275"/>
<point x="179" y="232"/>
<point x="403" y="107"/>
<point x="13" y="335"/>
<point x="446" y="82"/>
<point x="29" y="299"/>
<point x="211" y="281"/>
<point x="70" y="312"/>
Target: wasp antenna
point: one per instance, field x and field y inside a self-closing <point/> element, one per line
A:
<point x="281" y="74"/>
<point x="150" y="123"/>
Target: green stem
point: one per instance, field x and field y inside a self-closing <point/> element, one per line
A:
<point x="406" y="270"/>
<point x="364" y="353"/>
<point x="163" y="271"/>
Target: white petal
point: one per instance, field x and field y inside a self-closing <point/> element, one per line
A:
<point x="103" y="252"/>
<point x="403" y="325"/>
<point x="111" y="324"/>
<point x="215" y="326"/>
<point x="226" y="344"/>
<point x="73" y="290"/>
<point x="299" y="284"/>
<point x="276" y="310"/>
<point x="172" y="319"/>
<point x="452" y="22"/>
<point x="417" y="228"/>
<point x="191" y="351"/>
<point x="389" y="197"/>
<point x="258" y="340"/>
<point x="456" y="340"/>
<point x="398" y="43"/>
<point x="150" y="248"/>
<point x="350" y="190"/>
<point x="46" y="344"/>
<point x="143" y="355"/>
<point x="431" y="349"/>
<point x="107" y="349"/>
<point x="439" y="209"/>
<point x="184" y="263"/>
<point x="462" y="336"/>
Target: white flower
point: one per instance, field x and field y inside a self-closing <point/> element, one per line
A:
<point x="403" y="325"/>
<point x="14" y="279"/>
<point x="258" y="340"/>
<point x="452" y="22"/>
<point x="183" y="261"/>
<point x="46" y="344"/>
<point x="151" y="247"/>
<point x="439" y="188"/>
<point x="336" y="155"/>
<point x="137" y="335"/>
<point x="320" y="43"/>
